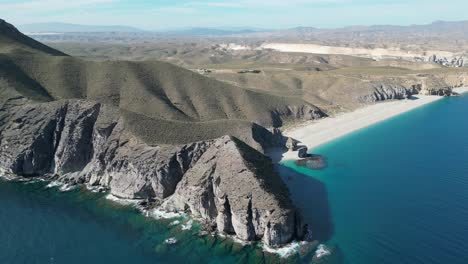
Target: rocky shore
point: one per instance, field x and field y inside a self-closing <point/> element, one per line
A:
<point x="223" y="181"/>
<point x="395" y="92"/>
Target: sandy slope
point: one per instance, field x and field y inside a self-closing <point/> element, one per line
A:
<point x="313" y="134"/>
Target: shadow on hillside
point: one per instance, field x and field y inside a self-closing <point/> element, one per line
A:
<point x="310" y="196"/>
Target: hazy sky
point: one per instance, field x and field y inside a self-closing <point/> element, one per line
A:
<point x="163" y="14"/>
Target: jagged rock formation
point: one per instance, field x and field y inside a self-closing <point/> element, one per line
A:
<point x="455" y="62"/>
<point x="394" y="92"/>
<point x="446" y="91"/>
<point x="223" y="181"/>
<point x="291" y="144"/>
<point x="236" y="188"/>
<point x="390" y="92"/>
<point x="301" y="112"/>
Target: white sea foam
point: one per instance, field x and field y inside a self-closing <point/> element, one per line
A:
<point x="174" y="223"/>
<point x="5" y="177"/>
<point x="188" y="225"/>
<point x="63" y="187"/>
<point x="94" y="189"/>
<point x="170" y="241"/>
<point x="160" y="214"/>
<point x="34" y="180"/>
<point x="286" y="250"/>
<point x="67" y="187"/>
<point x="322" y="251"/>
<point x="233" y="237"/>
<point x="122" y="200"/>
<point x="53" y="184"/>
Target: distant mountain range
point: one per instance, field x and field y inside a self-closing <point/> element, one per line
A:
<point x="433" y="27"/>
<point x="211" y="31"/>
<point x="436" y="29"/>
<point x="75" y="28"/>
<point x="56" y="27"/>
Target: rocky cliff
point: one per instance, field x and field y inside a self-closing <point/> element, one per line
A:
<point x="223" y="181"/>
<point x="148" y="130"/>
<point x="233" y="186"/>
<point x="389" y="92"/>
<point x="384" y="92"/>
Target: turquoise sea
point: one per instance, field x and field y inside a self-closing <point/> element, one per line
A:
<point x="396" y="192"/>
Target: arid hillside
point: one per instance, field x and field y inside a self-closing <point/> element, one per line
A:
<point x="155" y="98"/>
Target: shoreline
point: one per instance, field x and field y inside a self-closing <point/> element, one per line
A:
<point x="316" y="133"/>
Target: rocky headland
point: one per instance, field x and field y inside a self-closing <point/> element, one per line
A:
<point x="223" y="181"/>
<point x="148" y="131"/>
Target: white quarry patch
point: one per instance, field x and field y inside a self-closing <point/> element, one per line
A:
<point x="377" y="53"/>
<point x="322" y="251"/>
<point x="234" y="46"/>
<point x="321" y="49"/>
<point x="286" y="250"/>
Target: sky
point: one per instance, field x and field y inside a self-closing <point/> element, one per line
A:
<point x="267" y="14"/>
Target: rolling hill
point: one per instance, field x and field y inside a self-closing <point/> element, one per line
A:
<point x="165" y="102"/>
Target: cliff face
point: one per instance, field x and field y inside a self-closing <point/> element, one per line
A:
<point x="389" y="92"/>
<point x="224" y="181"/>
<point x="395" y="92"/>
<point x="236" y="188"/>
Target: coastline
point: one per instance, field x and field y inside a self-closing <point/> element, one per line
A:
<point x="315" y="133"/>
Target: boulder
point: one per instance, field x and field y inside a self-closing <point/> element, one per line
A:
<point x="302" y="152"/>
<point x="291" y="144"/>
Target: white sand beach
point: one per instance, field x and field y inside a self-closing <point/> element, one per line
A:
<point x="315" y="133"/>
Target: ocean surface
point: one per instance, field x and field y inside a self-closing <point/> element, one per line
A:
<point x="396" y="192"/>
<point x="44" y="225"/>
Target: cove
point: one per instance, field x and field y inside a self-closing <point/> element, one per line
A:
<point x="395" y="192"/>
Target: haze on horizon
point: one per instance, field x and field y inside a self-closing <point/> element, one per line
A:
<point x="271" y="14"/>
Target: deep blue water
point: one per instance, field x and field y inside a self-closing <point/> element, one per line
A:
<point x="396" y="192"/>
<point x="44" y="225"/>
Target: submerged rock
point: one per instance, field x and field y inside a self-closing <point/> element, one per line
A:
<point x="327" y="254"/>
<point x="314" y="162"/>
